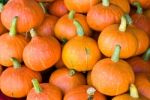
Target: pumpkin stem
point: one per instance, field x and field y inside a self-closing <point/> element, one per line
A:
<point x="90" y="91"/>
<point x="134" y="91"/>
<point x="129" y="19"/>
<point x="105" y="3"/>
<point x="36" y="86"/>
<point x="1" y="7"/>
<point x="123" y="24"/>
<point x="71" y="14"/>
<point x="72" y="72"/>
<point x="43" y="7"/>
<point x="79" y="28"/>
<point x="139" y="7"/>
<point x="33" y="32"/>
<point x="12" y="31"/>
<point x="146" y="55"/>
<point x="116" y="54"/>
<point x="16" y="63"/>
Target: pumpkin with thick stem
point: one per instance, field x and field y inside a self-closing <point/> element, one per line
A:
<point x="16" y="81"/>
<point x="69" y="79"/>
<point x="11" y="45"/>
<point x="41" y="53"/>
<point x="84" y="92"/>
<point x="29" y="13"/>
<point x="145" y="3"/>
<point x="112" y="76"/>
<point x="44" y="91"/>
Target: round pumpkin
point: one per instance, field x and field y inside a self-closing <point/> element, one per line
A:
<point x="69" y="79"/>
<point x="112" y="76"/>
<point x="44" y="91"/>
<point x="41" y="53"/>
<point x="16" y="81"/>
<point x="84" y="92"/>
<point x="145" y="3"/>
<point x="29" y="13"/>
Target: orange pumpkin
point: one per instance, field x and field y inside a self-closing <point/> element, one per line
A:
<point x="57" y="8"/>
<point x="16" y="81"/>
<point x="11" y="45"/>
<point x="112" y="76"/>
<point x="89" y="81"/>
<point x="45" y="0"/>
<point x="69" y="79"/>
<point x="65" y="28"/>
<point x="29" y="14"/>
<point x="84" y="92"/>
<point x="41" y="52"/>
<point x="44" y="91"/>
<point x="145" y="3"/>
<point x="103" y="15"/>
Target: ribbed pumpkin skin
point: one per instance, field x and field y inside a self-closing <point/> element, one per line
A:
<point x="29" y="13"/>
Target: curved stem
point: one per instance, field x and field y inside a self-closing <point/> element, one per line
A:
<point x="91" y="91"/>
<point x="139" y="7"/>
<point x="33" y="32"/>
<point x="16" y="63"/>
<point x="36" y="86"/>
<point x="116" y="54"/>
<point x="105" y="3"/>
<point x="71" y="14"/>
<point x="43" y="7"/>
<point x="129" y="19"/>
<point x="79" y="28"/>
<point x="123" y="24"/>
<point x="134" y="91"/>
<point x="72" y="72"/>
<point x="12" y="31"/>
<point x="146" y="55"/>
<point x="1" y="7"/>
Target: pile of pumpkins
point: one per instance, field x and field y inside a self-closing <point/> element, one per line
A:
<point x="75" y="49"/>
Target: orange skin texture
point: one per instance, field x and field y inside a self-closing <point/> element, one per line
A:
<point x="17" y="83"/>
<point x="64" y="81"/>
<point x="41" y="53"/>
<point x="2" y="28"/>
<point x="112" y="78"/>
<point x="89" y="81"/>
<point x="80" y="6"/>
<point x="45" y="0"/>
<point x="111" y="36"/>
<point x="49" y="92"/>
<point x="81" y="53"/>
<point x="147" y="13"/>
<point x="145" y="3"/>
<point x="29" y="13"/>
<point x="65" y="28"/>
<point x="57" y="8"/>
<point x="143" y="84"/>
<point x="11" y="47"/>
<point x="79" y="93"/>
<point x="47" y="26"/>
<point x="99" y="16"/>
<point x="139" y="65"/>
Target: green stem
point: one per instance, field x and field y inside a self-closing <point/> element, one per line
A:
<point x="12" y="31"/>
<point x="139" y="7"/>
<point x="79" y="28"/>
<point x="129" y="19"/>
<point x="1" y="7"/>
<point x="72" y="72"/>
<point x="16" y="63"/>
<point x="33" y="32"/>
<point x="71" y="14"/>
<point x="134" y="91"/>
<point x="116" y="54"/>
<point x="146" y="55"/>
<point x="36" y="86"/>
<point x="123" y="24"/>
<point x="105" y="3"/>
<point x="91" y="91"/>
<point x="43" y="7"/>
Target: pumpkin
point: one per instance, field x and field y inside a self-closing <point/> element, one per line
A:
<point x="84" y="92"/>
<point x="45" y="0"/>
<point x="29" y="13"/>
<point x="145" y="3"/>
<point x="103" y="15"/>
<point x="57" y="8"/>
<point x="89" y="81"/>
<point x="11" y="45"/>
<point x="65" y="28"/>
<point x="69" y="79"/>
<point x="16" y="81"/>
<point x="112" y="76"/>
<point x="143" y="84"/>
<point x="41" y="53"/>
<point x="44" y="91"/>
<point x="81" y="52"/>
<point x="147" y="13"/>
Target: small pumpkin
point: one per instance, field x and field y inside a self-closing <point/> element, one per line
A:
<point x="16" y="81"/>
<point x="145" y="3"/>
<point x="112" y="76"/>
<point x="12" y="44"/>
<point x="84" y="92"/>
<point x="29" y="13"/>
<point x="41" y="53"/>
<point x="69" y="79"/>
<point x="44" y="91"/>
